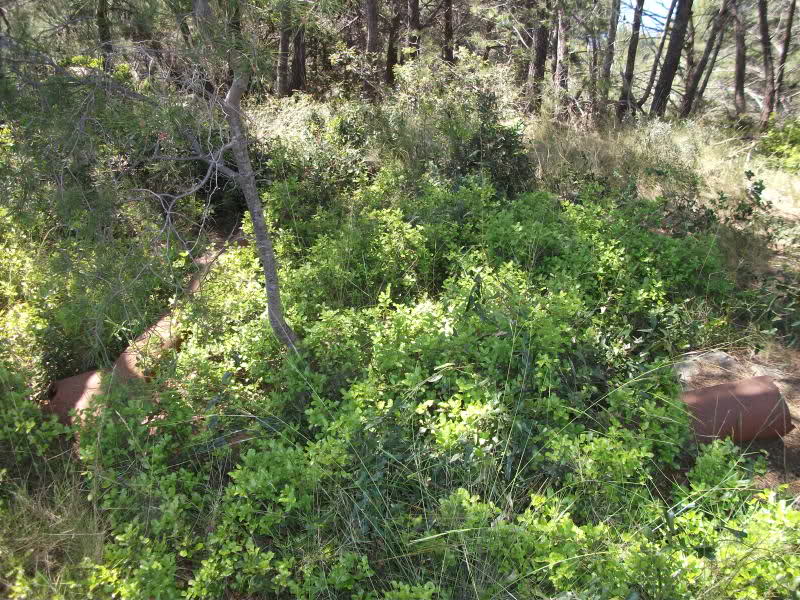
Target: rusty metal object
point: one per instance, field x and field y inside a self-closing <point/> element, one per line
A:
<point x="73" y="393"/>
<point x="76" y="392"/>
<point x="746" y="410"/>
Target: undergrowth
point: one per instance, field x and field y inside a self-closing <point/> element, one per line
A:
<point x="484" y="406"/>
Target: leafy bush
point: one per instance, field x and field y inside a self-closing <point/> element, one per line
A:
<point x="782" y="145"/>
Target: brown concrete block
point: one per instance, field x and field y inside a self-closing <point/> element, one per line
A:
<point x="751" y="409"/>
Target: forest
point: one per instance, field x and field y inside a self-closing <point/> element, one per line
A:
<point x="396" y="299"/>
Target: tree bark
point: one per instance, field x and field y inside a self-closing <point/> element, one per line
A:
<point x="769" y="67"/>
<point x="654" y="69"/>
<point x="688" y="49"/>
<point x="297" y="80"/>
<point x="671" y="59"/>
<point x="232" y="108"/>
<point x="414" y="27"/>
<point x="447" y="50"/>
<point x="697" y="73"/>
<point x="788" y="18"/>
<point x="391" y="47"/>
<point x="701" y="92"/>
<point x="561" y="74"/>
<point x="538" y="63"/>
<point x="282" y="79"/>
<point x="593" y="62"/>
<point x="740" y="64"/>
<point x="104" y="33"/>
<point x="541" y="45"/>
<point x="626" y="101"/>
<point x="608" y="59"/>
<point x="373" y="39"/>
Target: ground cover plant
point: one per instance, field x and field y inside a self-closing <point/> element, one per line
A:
<point x="488" y="303"/>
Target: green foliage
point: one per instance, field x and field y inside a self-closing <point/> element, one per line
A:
<point x="483" y="405"/>
<point x="782" y="145"/>
<point x="26" y="435"/>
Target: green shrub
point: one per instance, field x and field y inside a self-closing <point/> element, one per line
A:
<point x="782" y="145"/>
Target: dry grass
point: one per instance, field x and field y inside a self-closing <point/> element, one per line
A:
<point x="49" y="530"/>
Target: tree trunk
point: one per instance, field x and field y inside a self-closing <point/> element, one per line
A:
<point x="593" y="62"/>
<point x="541" y="45"/>
<point x="414" y="27"/>
<point x="104" y="33"/>
<point x="4" y="19"/>
<point x="788" y="18"/>
<point x="740" y="65"/>
<point x="561" y="74"/>
<point x="608" y="59"/>
<point x="702" y="89"/>
<point x="626" y="101"/>
<point x="688" y="48"/>
<point x="282" y="79"/>
<point x="373" y="39"/>
<point x="671" y="59"/>
<point x="769" y="67"/>
<point x="297" y="80"/>
<point x="391" y="48"/>
<point x="657" y="59"/>
<point x="696" y="77"/>
<point x="447" y="51"/>
<point x="247" y="182"/>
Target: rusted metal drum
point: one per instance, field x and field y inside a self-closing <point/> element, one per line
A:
<point x="751" y="409"/>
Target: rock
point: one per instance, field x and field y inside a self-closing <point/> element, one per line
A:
<point x="686" y="369"/>
<point x="751" y="409"/>
<point x="720" y="359"/>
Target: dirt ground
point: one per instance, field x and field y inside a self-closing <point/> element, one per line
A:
<point x="783" y="366"/>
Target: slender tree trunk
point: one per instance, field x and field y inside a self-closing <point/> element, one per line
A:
<point x="701" y="92"/>
<point x="5" y="22"/>
<point x="562" y="64"/>
<point x="247" y="182"/>
<point x="769" y="67"/>
<point x="696" y="77"/>
<point x="688" y="48"/>
<point x="391" y="47"/>
<point x="657" y="59"/>
<point x="373" y="39"/>
<point x="541" y="45"/>
<point x="297" y="79"/>
<point x="593" y="63"/>
<point x="282" y="79"/>
<point x="740" y="64"/>
<point x="626" y="101"/>
<point x="104" y="33"/>
<point x="414" y="26"/>
<point x="232" y="109"/>
<point x="447" y="51"/>
<point x="788" y="18"/>
<point x="608" y="58"/>
<point x="671" y="59"/>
